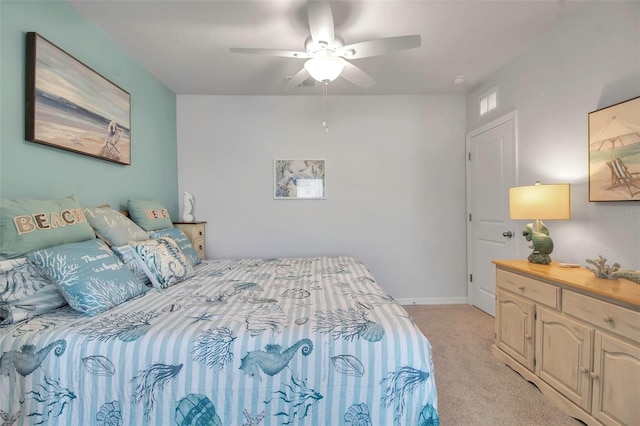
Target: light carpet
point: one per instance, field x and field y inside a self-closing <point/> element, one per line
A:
<point x="474" y="388"/>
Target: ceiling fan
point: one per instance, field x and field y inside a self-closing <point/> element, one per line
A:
<point x="327" y="54"/>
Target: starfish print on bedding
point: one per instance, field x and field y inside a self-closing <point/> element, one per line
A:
<point x="8" y="420"/>
<point x="253" y="421"/>
<point x="202" y="317"/>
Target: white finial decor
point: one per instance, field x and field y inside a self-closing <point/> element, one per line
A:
<point x="187" y="207"/>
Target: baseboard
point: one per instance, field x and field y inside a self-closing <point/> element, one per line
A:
<point x="433" y="301"/>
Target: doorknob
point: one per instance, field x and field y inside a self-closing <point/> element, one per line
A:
<point x="507" y="234"/>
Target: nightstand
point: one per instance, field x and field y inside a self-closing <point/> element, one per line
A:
<point x="195" y="232"/>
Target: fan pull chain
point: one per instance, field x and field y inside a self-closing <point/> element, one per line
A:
<point x="325" y="87"/>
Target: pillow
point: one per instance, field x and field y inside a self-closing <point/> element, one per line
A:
<point x="149" y="215"/>
<point x="183" y="242"/>
<point x="163" y="261"/>
<point x="27" y="225"/>
<point x="113" y="227"/>
<point x="127" y="256"/>
<point x="89" y="275"/>
<point x="25" y="292"/>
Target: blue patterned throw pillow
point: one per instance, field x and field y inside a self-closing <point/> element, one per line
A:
<point x="163" y="261"/>
<point x="91" y="278"/>
<point x="183" y="243"/>
<point x="128" y="256"/>
<point x="25" y="292"/>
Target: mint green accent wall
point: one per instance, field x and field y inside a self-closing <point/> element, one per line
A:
<point x="30" y="170"/>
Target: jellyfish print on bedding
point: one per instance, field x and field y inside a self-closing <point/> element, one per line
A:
<point x="147" y="383"/>
<point x="400" y="384"/>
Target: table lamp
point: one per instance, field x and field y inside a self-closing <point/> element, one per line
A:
<point x="540" y="202"/>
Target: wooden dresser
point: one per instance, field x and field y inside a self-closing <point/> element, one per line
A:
<point x="195" y="232"/>
<point x="574" y="336"/>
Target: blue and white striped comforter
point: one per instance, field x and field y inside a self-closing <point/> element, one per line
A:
<point x="311" y="341"/>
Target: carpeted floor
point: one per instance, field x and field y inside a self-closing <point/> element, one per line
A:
<point x="474" y="388"/>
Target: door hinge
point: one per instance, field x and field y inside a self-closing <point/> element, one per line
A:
<point x="469" y="217"/>
<point x="534" y="362"/>
<point x="469" y="156"/>
<point x="535" y="316"/>
<point x="471" y="277"/>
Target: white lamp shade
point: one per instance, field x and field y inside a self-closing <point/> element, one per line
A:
<point x="325" y="68"/>
<point x="540" y="202"/>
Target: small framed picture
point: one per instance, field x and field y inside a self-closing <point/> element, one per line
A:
<point x="299" y="180"/>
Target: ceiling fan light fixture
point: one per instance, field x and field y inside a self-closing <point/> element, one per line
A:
<point x="325" y="68"/>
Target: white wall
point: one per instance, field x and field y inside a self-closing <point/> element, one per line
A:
<point x="395" y="183"/>
<point x="590" y="62"/>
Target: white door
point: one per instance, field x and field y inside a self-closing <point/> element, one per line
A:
<point x="491" y="234"/>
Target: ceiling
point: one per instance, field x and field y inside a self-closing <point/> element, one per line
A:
<point x="185" y="44"/>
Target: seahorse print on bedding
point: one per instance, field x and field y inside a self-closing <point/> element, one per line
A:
<point x="150" y="381"/>
<point x="213" y="347"/>
<point x="27" y="359"/>
<point x="272" y="360"/>
<point x="348" y="324"/>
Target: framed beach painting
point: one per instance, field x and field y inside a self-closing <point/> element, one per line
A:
<point x="299" y="180"/>
<point x="614" y="152"/>
<point x="72" y="107"/>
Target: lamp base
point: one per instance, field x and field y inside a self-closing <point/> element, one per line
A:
<point x="539" y="258"/>
<point x="542" y="244"/>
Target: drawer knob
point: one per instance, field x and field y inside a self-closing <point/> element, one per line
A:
<point x="200" y="247"/>
<point x="607" y="319"/>
<point x="200" y="233"/>
<point x="584" y="370"/>
<point x="521" y="287"/>
<point x="527" y="337"/>
<point x="594" y="376"/>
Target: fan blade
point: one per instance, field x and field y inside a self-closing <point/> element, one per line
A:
<point x="320" y="21"/>
<point x="380" y="46"/>
<point x="270" y="52"/>
<point x="356" y="76"/>
<point x="297" y="79"/>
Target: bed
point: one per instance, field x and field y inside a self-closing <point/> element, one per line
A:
<point x="313" y="341"/>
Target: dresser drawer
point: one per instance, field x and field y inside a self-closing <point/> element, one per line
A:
<point x="616" y="319"/>
<point x="195" y="234"/>
<point x="530" y="288"/>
